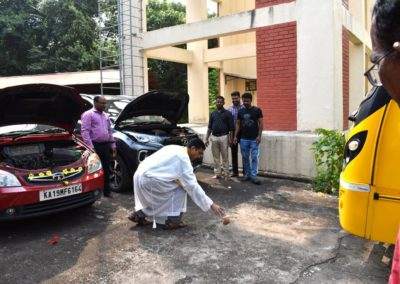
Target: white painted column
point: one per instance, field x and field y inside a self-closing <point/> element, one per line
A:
<point x="222" y="89"/>
<point x="357" y="63"/>
<point x="357" y="79"/>
<point x="196" y="10"/>
<point x="145" y="65"/>
<point x="319" y="61"/>
<point x="132" y="61"/>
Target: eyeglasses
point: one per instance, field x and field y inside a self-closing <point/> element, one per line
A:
<point x="372" y="73"/>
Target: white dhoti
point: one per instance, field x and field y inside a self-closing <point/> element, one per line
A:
<point x="163" y="181"/>
<point x="156" y="198"/>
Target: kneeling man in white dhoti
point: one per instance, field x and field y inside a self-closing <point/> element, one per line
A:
<point x="162" y="182"/>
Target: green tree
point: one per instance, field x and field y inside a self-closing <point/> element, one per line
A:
<point x="161" y="14"/>
<point x="213" y="90"/>
<point x="48" y="36"/>
<point x="69" y="34"/>
<point x="45" y="36"/>
<point x="19" y="25"/>
<point x="166" y="75"/>
<point x="169" y="75"/>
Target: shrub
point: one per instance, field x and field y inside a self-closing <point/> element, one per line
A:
<point x="328" y="154"/>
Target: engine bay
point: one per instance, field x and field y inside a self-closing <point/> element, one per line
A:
<point x="170" y="134"/>
<point x="41" y="155"/>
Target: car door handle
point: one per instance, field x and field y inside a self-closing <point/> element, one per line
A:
<point x="378" y="196"/>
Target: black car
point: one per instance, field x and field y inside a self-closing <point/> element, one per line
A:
<point x="141" y="127"/>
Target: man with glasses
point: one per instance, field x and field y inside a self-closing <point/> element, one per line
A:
<point x="97" y="133"/>
<point x="385" y="35"/>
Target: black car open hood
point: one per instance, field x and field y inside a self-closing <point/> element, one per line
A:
<point x="168" y="105"/>
<point x="41" y="104"/>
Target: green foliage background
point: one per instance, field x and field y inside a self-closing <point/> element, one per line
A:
<point x="47" y="36"/>
<point x="328" y="153"/>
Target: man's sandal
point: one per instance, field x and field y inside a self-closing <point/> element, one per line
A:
<point x="140" y="221"/>
<point x="174" y="225"/>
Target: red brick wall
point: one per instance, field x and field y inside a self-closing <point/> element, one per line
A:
<point x="277" y="75"/>
<point x="346" y="76"/>
<point x="265" y="3"/>
<point x="346" y="71"/>
<point x="277" y="72"/>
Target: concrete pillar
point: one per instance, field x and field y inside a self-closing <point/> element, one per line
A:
<point x="357" y="79"/>
<point x="222" y="83"/>
<point x="319" y="61"/>
<point x="357" y="64"/>
<point x="145" y="65"/>
<point x="132" y="61"/>
<point x="196" y="10"/>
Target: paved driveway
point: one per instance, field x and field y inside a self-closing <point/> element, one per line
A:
<point x="280" y="233"/>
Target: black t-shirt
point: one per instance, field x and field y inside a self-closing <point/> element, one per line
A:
<point x="249" y="122"/>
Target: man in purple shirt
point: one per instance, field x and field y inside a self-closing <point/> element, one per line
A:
<point x="96" y="132"/>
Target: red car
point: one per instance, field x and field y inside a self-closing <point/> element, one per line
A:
<point x="44" y="168"/>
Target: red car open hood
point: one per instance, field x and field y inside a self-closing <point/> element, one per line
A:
<point x="48" y="104"/>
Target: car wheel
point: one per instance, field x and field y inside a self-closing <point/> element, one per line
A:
<point x="120" y="179"/>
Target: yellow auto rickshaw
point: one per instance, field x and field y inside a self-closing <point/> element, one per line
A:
<point x="369" y="195"/>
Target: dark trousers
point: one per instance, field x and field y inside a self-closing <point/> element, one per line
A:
<point x="103" y="150"/>
<point x="234" y="152"/>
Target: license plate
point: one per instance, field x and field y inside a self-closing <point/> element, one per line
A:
<point x="60" y="192"/>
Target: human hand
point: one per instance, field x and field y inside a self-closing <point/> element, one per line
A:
<point x="235" y="141"/>
<point x="258" y="140"/>
<point x="218" y="210"/>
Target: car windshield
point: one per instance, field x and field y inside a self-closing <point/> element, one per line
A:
<point x="116" y="104"/>
<point x="115" y="107"/>
<point x="24" y="129"/>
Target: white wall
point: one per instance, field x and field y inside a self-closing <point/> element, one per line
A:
<point x="283" y="153"/>
<point x="319" y="90"/>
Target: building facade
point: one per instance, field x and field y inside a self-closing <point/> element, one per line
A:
<point x="302" y="59"/>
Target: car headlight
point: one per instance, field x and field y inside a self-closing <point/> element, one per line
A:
<point x="141" y="138"/>
<point x="353" y="146"/>
<point x="8" y="179"/>
<point x="93" y="163"/>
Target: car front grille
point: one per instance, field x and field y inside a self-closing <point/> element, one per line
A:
<point x="53" y="179"/>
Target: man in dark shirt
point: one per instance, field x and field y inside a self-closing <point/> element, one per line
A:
<point x="234" y="109"/>
<point x="250" y="125"/>
<point x="221" y="127"/>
